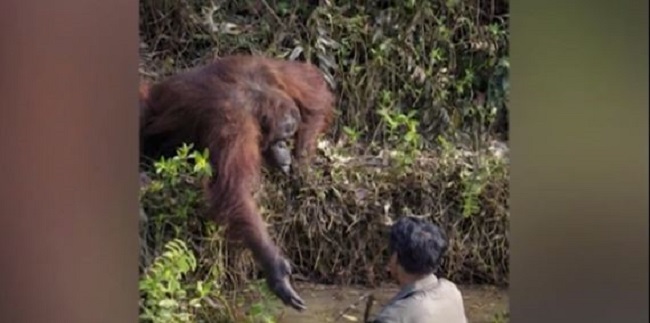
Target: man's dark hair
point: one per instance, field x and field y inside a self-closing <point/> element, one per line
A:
<point x="419" y="245"/>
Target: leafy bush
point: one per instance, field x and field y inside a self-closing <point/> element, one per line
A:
<point x="175" y="286"/>
<point x="166" y="297"/>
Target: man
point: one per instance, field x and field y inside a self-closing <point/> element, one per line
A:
<point x="416" y="248"/>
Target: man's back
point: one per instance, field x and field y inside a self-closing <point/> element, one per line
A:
<point x="428" y="300"/>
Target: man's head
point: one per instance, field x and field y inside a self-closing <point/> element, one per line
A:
<point x="416" y="247"/>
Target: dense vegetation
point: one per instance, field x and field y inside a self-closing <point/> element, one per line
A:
<point x="423" y="94"/>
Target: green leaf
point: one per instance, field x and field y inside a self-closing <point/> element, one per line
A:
<point x="168" y="303"/>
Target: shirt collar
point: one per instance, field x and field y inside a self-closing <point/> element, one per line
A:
<point x="426" y="283"/>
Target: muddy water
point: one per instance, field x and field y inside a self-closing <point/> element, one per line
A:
<point x="482" y="303"/>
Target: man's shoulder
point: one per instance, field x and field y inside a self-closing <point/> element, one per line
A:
<point x="443" y="301"/>
<point x="448" y="288"/>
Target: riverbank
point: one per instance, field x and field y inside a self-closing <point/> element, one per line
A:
<point x="483" y="304"/>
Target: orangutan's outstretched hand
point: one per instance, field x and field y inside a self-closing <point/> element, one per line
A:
<point x="278" y="281"/>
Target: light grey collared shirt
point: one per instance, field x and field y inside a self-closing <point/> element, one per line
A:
<point x="428" y="300"/>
